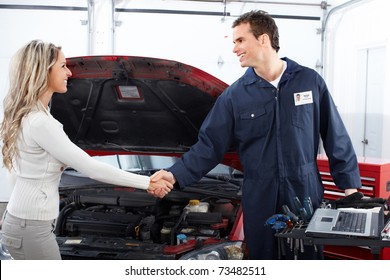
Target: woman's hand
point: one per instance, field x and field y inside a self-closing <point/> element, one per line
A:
<point x="161" y="183"/>
<point x="159" y="188"/>
<point x="163" y="174"/>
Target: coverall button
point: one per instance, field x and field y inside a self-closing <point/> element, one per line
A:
<point x="252" y="115"/>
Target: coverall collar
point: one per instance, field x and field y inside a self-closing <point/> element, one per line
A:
<point x="251" y="77"/>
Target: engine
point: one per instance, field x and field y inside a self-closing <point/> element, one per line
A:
<point x="138" y="216"/>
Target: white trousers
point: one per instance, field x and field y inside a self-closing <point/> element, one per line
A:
<point x="29" y="239"/>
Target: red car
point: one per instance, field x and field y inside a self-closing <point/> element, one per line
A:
<point x="141" y="114"/>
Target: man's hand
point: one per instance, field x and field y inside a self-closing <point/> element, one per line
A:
<point x="159" y="182"/>
<point x="357" y="200"/>
<point x="163" y="174"/>
<point x="159" y="187"/>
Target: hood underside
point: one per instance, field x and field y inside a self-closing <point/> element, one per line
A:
<point x="134" y="104"/>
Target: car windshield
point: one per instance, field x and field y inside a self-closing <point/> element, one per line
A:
<point x="147" y="165"/>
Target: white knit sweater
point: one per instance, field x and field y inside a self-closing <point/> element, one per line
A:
<point x="44" y="152"/>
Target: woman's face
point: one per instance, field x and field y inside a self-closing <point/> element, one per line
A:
<point x="58" y="75"/>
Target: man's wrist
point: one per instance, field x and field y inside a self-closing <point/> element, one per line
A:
<point x="350" y="191"/>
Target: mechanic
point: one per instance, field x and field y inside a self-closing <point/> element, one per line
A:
<point x="275" y="114"/>
<point x="36" y="150"/>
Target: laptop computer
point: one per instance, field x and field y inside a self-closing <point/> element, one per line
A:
<point x="346" y="222"/>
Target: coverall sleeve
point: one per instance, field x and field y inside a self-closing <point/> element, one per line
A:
<point x="214" y="139"/>
<point x="337" y="143"/>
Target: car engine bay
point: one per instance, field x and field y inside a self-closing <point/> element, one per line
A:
<point x="103" y="221"/>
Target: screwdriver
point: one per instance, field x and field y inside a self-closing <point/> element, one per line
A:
<point x="301" y="209"/>
<point x="289" y="213"/>
<point x="307" y="204"/>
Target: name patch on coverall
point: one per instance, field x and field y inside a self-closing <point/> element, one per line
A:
<point x="302" y="98"/>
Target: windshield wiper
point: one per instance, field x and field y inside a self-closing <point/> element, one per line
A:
<point x="225" y="178"/>
<point x="221" y="194"/>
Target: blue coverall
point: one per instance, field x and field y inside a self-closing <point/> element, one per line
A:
<point x="277" y="141"/>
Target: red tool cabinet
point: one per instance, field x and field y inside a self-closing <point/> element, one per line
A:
<point x="375" y="176"/>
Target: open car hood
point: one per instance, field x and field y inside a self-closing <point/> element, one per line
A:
<point x="147" y="107"/>
<point x="127" y="104"/>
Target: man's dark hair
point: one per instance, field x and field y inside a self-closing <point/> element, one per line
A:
<point x="260" y="23"/>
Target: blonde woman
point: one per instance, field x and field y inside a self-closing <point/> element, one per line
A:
<point x="37" y="150"/>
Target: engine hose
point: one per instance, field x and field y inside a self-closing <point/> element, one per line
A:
<point x="173" y="231"/>
<point x="70" y="204"/>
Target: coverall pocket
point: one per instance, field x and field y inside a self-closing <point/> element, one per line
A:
<point x="252" y="123"/>
<point x="302" y="115"/>
<point x="12" y="241"/>
<point x="253" y="114"/>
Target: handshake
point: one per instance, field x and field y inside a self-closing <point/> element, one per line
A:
<point x="161" y="183"/>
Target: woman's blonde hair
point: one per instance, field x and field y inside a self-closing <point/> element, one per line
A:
<point x="29" y="71"/>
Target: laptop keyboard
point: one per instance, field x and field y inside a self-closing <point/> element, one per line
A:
<point x="350" y="222"/>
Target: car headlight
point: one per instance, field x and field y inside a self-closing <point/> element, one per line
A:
<point x="4" y="255"/>
<point x="222" y="251"/>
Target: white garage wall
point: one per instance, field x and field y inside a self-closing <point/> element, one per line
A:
<point x="205" y="40"/>
<point x="357" y="77"/>
<point x="18" y="26"/>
